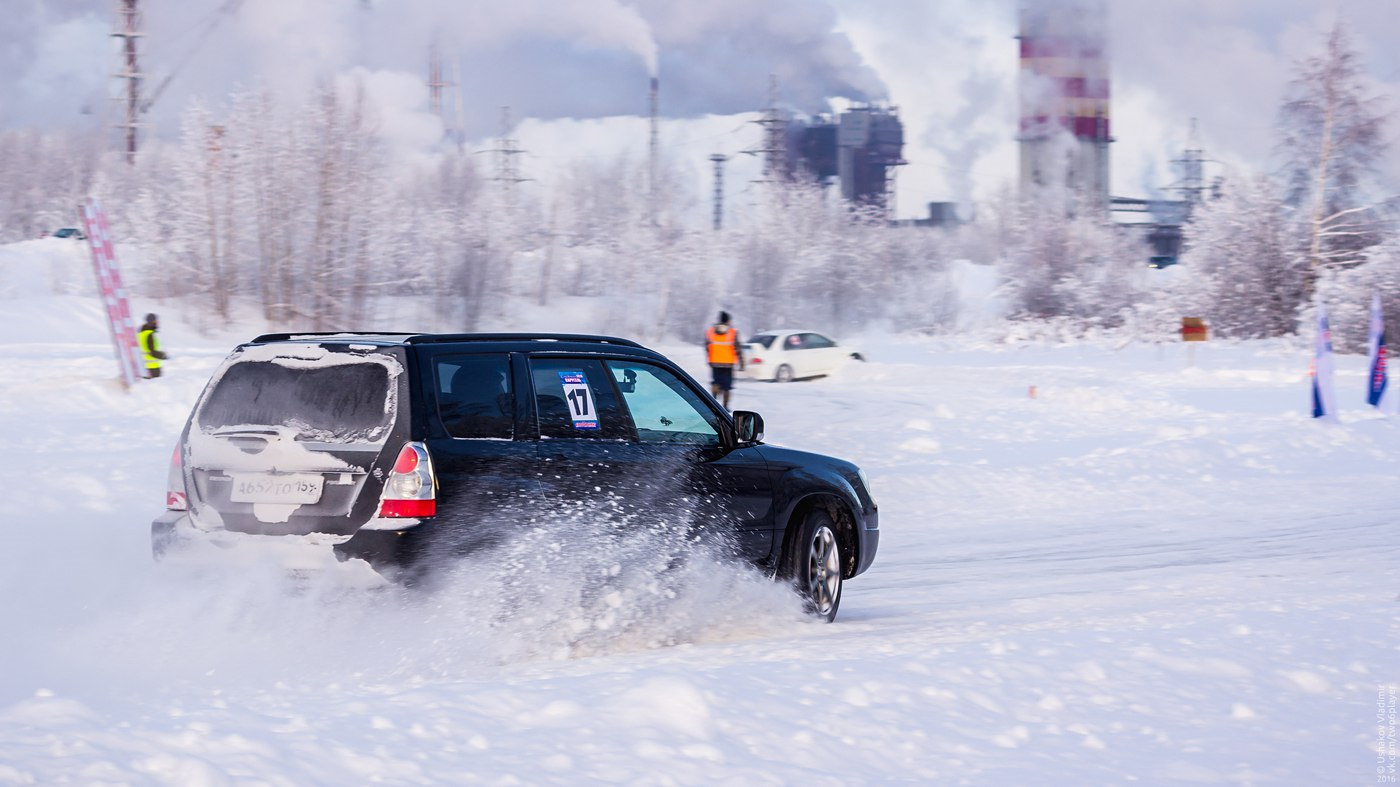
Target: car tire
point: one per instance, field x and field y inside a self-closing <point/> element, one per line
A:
<point x="783" y="374"/>
<point x="814" y="565"/>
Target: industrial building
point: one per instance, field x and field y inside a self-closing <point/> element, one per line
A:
<point x="856" y="151"/>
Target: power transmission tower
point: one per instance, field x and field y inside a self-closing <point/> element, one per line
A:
<point x="128" y="31"/>
<point x="719" y="159"/>
<point x="435" y="83"/>
<point x="774" y="150"/>
<point x="507" y="148"/>
<point x="1192" y="185"/>
<point x="1193" y="176"/>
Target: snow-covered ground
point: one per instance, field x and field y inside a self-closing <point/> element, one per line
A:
<point x="1150" y="571"/>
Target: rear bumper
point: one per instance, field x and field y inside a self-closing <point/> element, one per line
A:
<point x="176" y="539"/>
<point x="390" y="547"/>
<point x="167" y="530"/>
<point x="387" y="549"/>
<point x="752" y="371"/>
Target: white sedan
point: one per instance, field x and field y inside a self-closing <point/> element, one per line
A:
<point x="783" y="356"/>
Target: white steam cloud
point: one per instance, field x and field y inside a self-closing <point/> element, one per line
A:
<point x="545" y="59"/>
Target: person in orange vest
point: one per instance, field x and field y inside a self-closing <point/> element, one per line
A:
<point x="724" y="352"/>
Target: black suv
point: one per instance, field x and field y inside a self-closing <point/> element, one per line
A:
<point x="400" y="448"/>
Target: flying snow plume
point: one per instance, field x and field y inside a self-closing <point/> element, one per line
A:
<point x="595" y="578"/>
<point x="584" y="580"/>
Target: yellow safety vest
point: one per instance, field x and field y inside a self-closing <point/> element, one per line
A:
<point x="149" y="346"/>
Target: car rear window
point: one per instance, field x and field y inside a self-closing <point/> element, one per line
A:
<point x="765" y="339"/>
<point x="340" y="402"/>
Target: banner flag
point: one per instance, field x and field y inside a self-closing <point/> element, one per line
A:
<point x="109" y="284"/>
<point x="1323" y="394"/>
<point x="1376" y="372"/>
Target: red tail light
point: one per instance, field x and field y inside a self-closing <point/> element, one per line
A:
<point x="755" y="361"/>
<point x="411" y="489"/>
<point x="407" y="461"/>
<point x="175" y="498"/>
<point x="407" y="509"/>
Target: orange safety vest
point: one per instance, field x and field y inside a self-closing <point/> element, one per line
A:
<point x="722" y="349"/>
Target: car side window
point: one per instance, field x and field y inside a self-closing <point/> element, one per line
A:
<point x="474" y="396"/>
<point x="794" y="342"/>
<point x="663" y="408"/>
<point x="574" y="399"/>
<point x="816" y="341"/>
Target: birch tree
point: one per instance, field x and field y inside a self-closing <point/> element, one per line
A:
<point x="1331" y="135"/>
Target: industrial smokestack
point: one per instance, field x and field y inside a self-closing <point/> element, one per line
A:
<point x="1064" y="91"/>
<point x="651" y="162"/>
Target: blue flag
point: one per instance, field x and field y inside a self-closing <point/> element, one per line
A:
<point x="1378" y="391"/>
<point x="1323" y="394"/>
<point x="1375" y="366"/>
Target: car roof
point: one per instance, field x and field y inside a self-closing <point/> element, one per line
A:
<point x="394" y="337"/>
<point x="785" y="331"/>
<point x="495" y="342"/>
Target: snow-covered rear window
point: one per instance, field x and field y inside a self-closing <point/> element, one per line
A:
<point x="336" y="397"/>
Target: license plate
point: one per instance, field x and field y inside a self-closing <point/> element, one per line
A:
<point x="294" y="488"/>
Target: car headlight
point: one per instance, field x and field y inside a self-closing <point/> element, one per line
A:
<point x="865" y="482"/>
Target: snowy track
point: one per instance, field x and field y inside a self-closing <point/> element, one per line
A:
<point x="1148" y="572"/>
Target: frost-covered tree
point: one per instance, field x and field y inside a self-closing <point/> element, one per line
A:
<point x="1247" y="271"/>
<point x="1081" y="268"/>
<point x="203" y="222"/>
<point x="43" y="179"/>
<point x="1348" y="293"/>
<point x="1332" y="133"/>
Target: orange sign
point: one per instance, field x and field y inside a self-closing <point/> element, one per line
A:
<point x="1193" y="329"/>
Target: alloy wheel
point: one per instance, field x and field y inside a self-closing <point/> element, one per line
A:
<point x="823" y="571"/>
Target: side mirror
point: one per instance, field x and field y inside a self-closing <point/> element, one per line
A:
<point x="748" y="427"/>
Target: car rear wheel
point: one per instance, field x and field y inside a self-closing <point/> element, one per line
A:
<point x="815" y="564"/>
<point x="783" y="374"/>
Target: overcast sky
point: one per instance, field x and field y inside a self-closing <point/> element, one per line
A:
<point x="948" y="65"/>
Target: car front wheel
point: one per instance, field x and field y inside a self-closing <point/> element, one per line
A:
<point x="783" y="374"/>
<point x="816" y="565"/>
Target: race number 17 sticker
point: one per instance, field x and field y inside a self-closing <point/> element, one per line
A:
<point x="580" y="399"/>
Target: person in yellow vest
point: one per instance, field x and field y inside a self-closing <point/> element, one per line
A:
<point x="724" y="352"/>
<point x="150" y="346"/>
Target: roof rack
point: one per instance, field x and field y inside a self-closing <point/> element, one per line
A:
<point x="282" y="337"/>
<point x="408" y="337"/>
<point x="428" y="338"/>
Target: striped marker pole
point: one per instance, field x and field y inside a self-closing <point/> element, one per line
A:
<point x="109" y="285"/>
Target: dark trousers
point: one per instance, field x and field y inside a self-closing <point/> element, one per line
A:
<point x="722" y="377"/>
